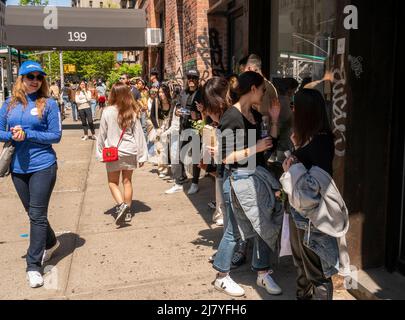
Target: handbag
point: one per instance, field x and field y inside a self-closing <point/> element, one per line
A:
<point x="111" y="154"/>
<point x="5" y="159"/>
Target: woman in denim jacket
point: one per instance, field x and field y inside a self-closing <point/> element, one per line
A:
<point x="243" y="119"/>
<point x="316" y="258"/>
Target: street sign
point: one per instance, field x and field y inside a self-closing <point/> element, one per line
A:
<point x="63" y="28"/>
<point x="69" y="68"/>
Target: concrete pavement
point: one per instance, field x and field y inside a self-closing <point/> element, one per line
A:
<point x="162" y="254"/>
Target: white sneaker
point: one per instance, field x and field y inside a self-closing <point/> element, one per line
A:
<point x="162" y="175"/>
<point x="193" y="189"/>
<point x="48" y="253"/>
<point x="228" y="286"/>
<point x="220" y="222"/>
<point x="85" y="138"/>
<point x="175" y="189"/>
<point x="35" y="279"/>
<point x="266" y="281"/>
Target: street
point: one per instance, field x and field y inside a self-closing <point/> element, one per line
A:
<point x="162" y="255"/>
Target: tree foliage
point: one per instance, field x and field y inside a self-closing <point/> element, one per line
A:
<point x="34" y="2"/>
<point x="132" y="70"/>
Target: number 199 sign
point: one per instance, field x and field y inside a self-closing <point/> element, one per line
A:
<point x="34" y="28"/>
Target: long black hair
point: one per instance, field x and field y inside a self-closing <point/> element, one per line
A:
<point x="310" y="117"/>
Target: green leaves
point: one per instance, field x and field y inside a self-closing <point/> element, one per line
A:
<point x="131" y="70"/>
<point x="34" y="2"/>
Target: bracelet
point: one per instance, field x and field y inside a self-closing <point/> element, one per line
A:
<point x="247" y="153"/>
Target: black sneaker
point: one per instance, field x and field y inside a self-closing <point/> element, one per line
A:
<point x="121" y="213"/>
<point x="128" y="217"/>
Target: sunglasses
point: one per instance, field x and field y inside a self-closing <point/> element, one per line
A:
<point x="32" y="77"/>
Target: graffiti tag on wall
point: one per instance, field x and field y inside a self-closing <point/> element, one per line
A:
<point x="339" y="110"/>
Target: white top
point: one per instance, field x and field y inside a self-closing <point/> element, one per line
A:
<point x="133" y="142"/>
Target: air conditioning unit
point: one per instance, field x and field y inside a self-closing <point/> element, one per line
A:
<point x="154" y="37"/>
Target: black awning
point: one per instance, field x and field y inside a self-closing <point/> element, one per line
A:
<point x="76" y="28"/>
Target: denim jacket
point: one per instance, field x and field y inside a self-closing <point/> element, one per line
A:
<point x="319" y="209"/>
<point x="255" y="206"/>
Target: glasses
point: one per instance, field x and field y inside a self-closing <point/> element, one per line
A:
<point x="32" y="77"/>
<point x="123" y="78"/>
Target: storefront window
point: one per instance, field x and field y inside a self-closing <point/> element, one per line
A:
<point x="305" y="37"/>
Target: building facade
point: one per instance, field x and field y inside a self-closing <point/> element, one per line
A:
<point x="303" y="39"/>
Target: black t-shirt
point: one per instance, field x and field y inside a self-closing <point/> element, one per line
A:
<point x="188" y="101"/>
<point x="319" y="152"/>
<point x="233" y="121"/>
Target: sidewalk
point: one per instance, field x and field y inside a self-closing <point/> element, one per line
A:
<point x="163" y="254"/>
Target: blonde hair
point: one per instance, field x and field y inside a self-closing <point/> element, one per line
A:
<point x="19" y="95"/>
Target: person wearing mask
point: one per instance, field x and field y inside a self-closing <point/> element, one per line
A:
<point x="83" y="98"/>
<point x="316" y="252"/>
<point x="245" y="167"/>
<point x="32" y="122"/>
<point x="188" y="100"/>
<point x="120" y="127"/>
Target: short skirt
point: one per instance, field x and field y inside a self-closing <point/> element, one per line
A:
<point x="124" y="163"/>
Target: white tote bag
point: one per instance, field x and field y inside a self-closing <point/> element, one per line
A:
<point x="285" y="249"/>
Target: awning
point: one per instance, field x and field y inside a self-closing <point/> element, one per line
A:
<point x="76" y="28"/>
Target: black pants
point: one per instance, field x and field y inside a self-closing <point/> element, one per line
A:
<point x="35" y="191"/>
<point x="311" y="282"/>
<point x="87" y="121"/>
<point x="179" y="173"/>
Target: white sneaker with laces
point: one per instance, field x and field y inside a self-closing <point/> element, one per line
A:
<point x="267" y="282"/>
<point x="48" y="253"/>
<point x="228" y="286"/>
<point x="193" y="189"/>
<point x="35" y="279"/>
<point x="175" y="189"/>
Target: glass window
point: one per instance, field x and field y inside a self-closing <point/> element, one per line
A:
<point x="305" y="37"/>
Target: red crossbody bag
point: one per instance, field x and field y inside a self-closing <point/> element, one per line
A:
<point x="111" y="154"/>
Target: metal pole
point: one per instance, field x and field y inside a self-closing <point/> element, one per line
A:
<point x="62" y="77"/>
<point x="50" y="67"/>
<point x="9" y="70"/>
<point x="2" y="82"/>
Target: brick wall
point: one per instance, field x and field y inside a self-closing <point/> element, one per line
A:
<point x="192" y="39"/>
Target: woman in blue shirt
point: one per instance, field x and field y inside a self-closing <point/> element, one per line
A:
<point x="32" y="121"/>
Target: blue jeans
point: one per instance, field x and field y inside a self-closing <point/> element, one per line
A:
<point x="35" y="190"/>
<point x="223" y="258"/>
<point x="74" y="111"/>
<point x="93" y="105"/>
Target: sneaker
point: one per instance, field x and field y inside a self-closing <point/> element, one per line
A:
<point x="162" y="175"/>
<point x="238" y="260"/>
<point x="220" y="222"/>
<point x="85" y="138"/>
<point x="212" y="258"/>
<point x="128" y="217"/>
<point x="122" y="211"/>
<point x="175" y="189"/>
<point x="228" y="286"/>
<point x="266" y="281"/>
<point x="92" y="137"/>
<point x="35" y="279"/>
<point x="49" y="252"/>
<point x="193" y="189"/>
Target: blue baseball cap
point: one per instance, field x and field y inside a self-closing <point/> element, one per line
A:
<point x="30" y="66"/>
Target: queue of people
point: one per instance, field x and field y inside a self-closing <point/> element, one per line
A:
<point x="270" y="147"/>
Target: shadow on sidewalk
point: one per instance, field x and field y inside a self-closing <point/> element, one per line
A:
<point x="69" y="242"/>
